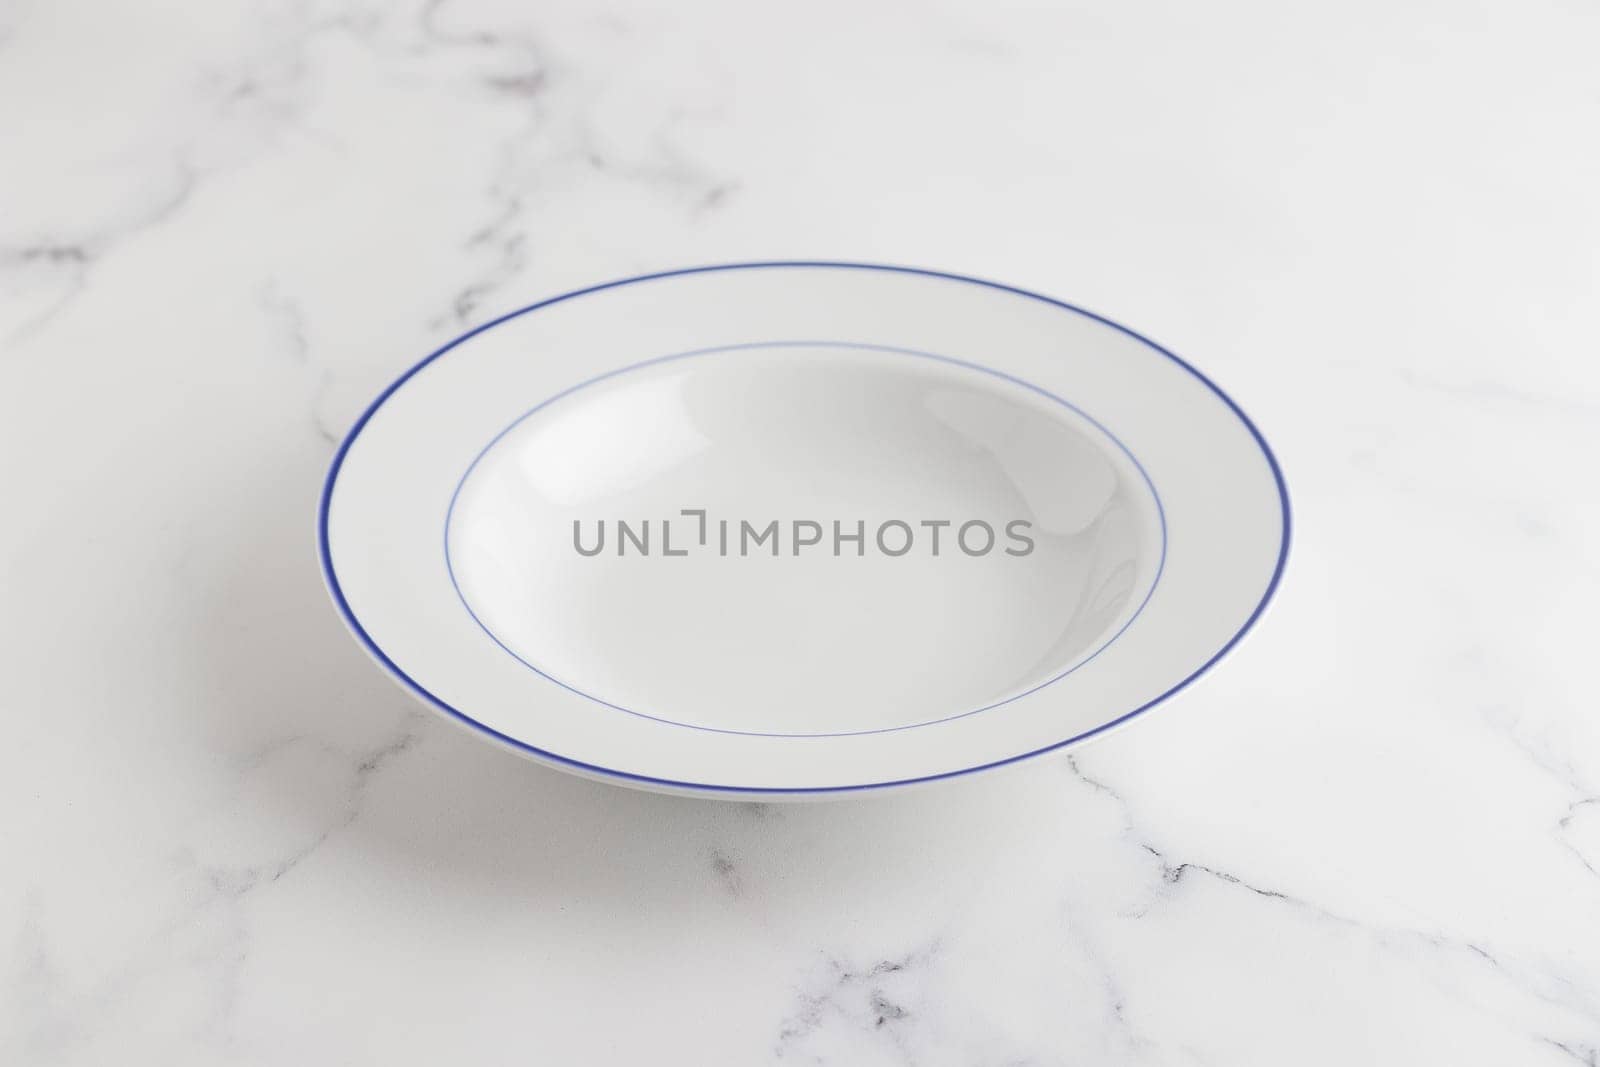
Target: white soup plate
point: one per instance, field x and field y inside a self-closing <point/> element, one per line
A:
<point x="800" y="529"/>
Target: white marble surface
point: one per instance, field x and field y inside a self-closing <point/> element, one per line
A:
<point x="1372" y="837"/>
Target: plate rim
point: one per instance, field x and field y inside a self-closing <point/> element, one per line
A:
<point x="587" y="769"/>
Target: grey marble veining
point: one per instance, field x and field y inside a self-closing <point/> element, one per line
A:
<point x="1372" y="837"/>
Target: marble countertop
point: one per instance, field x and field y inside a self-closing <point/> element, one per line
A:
<point x="1371" y="837"/>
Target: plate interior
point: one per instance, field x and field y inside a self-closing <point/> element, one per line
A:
<point x="803" y="539"/>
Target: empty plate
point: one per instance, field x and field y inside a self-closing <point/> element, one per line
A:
<point x="800" y="529"/>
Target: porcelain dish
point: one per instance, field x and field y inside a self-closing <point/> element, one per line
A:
<point x="800" y="529"/>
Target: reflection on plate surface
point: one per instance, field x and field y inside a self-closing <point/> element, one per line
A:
<point x="779" y="637"/>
